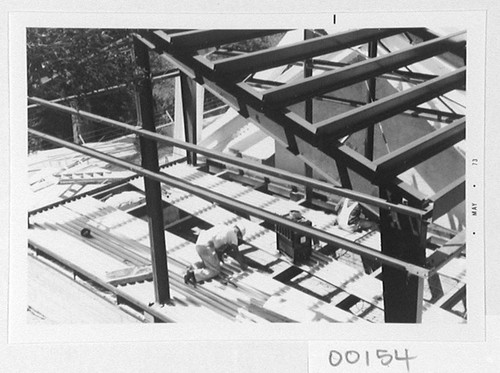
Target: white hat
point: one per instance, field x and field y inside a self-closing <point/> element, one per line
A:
<point x="242" y="230"/>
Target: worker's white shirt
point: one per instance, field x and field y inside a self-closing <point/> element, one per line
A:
<point x="345" y="215"/>
<point x="220" y="235"/>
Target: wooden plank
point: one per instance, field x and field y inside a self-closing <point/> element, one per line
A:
<point x="130" y="275"/>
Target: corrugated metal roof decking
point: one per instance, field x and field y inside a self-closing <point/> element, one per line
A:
<point x="257" y="235"/>
<point x="100" y="214"/>
<point x="273" y="204"/>
<point x="248" y="195"/>
<point x="85" y="251"/>
<point x="119" y="231"/>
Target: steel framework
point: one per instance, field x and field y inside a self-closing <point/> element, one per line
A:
<point x="404" y="211"/>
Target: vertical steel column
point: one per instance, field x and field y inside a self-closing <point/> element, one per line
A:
<point x="404" y="238"/>
<point x="368" y="265"/>
<point x="188" y="94"/>
<point x="345" y="179"/>
<point x="370" y="131"/>
<point x="308" y="111"/>
<point x="149" y="159"/>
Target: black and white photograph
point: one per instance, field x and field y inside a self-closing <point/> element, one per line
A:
<point x="259" y="180"/>
<point x="255" y="176"/>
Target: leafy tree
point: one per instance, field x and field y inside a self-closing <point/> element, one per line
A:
<point x="91" y="69"/>
<point x="76" y="63"/>
<point x="64" y="62"/>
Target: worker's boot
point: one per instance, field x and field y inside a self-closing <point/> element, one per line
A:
<point x="189" y="278"/>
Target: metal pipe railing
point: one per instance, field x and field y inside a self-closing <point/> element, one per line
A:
<point x="243" y="207"/>
<point x="267" y="170"/>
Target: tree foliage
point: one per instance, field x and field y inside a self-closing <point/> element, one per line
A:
<point x="64" y="62"/>
<point x="256" y="44"/>
<point x="74" y="63"/>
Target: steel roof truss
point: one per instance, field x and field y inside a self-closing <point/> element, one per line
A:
<point x="274" y="122"/>
<point x="272" y="57"/>
<point x="308" y="87"/>
<point x="364" y="116"/>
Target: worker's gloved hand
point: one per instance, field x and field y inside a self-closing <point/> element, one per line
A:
<point x="221" y="254"/>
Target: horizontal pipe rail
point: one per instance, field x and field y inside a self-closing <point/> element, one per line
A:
<point x="167" y="75"/>
<point x="267" y="170"/>
<point x="364" y="116"/>
<point x="113" y="289"/>
<point x="242" y="207"/>
<point x="420" y="150"/>
<point x="291" y="93"/>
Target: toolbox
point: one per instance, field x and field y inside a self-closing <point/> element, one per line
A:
<point x="295" y="245"/>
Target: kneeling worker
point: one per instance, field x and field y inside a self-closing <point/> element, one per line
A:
<point x="211" y="246"/>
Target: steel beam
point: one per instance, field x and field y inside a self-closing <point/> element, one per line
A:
<point x="200" y="39"/>
<point x="297" y="91"/>
<point x="359" y="118"/>
<point x="282" y="125"/>
<point x="189" y="113"/>
<point x="444" y="254"/>
<point x="149" y="160"/>
<point x="308" y="113"/>
<point x="455" y="58"/>
<point x="459" y="296"/>
<point x="241" y="207"/>
<point x="308" y="72"/>
<point x="371" y="97"/>
<point x="399" y="75"/>
<point x="404" y="238"/>
<point x="430" y="114"/>
<point x="344" y="175"/>
<point x="267" y="170"/>
<point x="261" y="60"/>
<point x="286" y="127"/>
<point x="420" y="150"/>
<point x="448" y="197"/>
